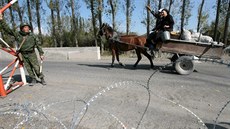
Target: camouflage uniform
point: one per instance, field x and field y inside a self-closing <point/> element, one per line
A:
<point x="27" y="49"/>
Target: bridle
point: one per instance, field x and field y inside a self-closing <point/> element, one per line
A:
<point x="104" y="31"/>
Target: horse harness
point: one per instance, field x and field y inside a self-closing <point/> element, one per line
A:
<point x="115" y="38"/>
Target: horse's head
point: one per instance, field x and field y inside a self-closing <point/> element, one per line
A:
<point x="105" y="30"/>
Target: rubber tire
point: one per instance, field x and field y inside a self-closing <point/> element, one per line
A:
<point x="184" y="65"/>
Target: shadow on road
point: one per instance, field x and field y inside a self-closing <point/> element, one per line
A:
<point x="220" y="126"/>
<point x="17" y="78"/>
<point x="161" y="68"/>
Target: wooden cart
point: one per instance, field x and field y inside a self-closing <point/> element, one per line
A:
<point x="184" y="52"/>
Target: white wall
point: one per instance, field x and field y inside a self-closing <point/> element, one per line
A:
<point x="65" y="53"/>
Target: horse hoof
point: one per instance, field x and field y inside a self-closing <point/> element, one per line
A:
<point x="152" y="67"/>
<point x="121" y="64"/>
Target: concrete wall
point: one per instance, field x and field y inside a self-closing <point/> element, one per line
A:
<point x="65" y="53"/>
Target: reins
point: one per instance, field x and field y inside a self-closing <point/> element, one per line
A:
<point x="118" y="41"/>
<point x="129" y="44"/>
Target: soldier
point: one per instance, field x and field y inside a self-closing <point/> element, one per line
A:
<point x="27" y="44"/>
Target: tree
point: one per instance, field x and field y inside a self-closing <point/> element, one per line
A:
<point x="129" y="7"/>
<point x="185" y="14"/>
<point x="74" y="24"/>
<point x="113" y="10"/>
<point x="19" y="11"/>
<point x="170" y="4"/>
<point x="159" y="4"/>
<point x="182" y="16"/>
<point x="100" y="10"/>
<point x="53" y="22"/>
<point x="217" y="19"/>
<point x="59" y="23"/>
<point x="2" y="2"/>
<point x="200" y="14"/>
<point x="148" y="19"/>
<point x="219" y="28"/>
<point x="226" y="28"/>
<point x="30" y="14"/>
<point x="56" y="24"/>
<point x="38" y="3"/>
<point x="12" y="16"/>
<point x="92" y="5"/>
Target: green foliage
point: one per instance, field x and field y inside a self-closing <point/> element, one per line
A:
<point x="209" y="30"/>
<point x="187" y="13"/>
<point x="48" y="41"/>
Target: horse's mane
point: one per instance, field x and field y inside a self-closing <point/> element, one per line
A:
<point x="110" y="29"/>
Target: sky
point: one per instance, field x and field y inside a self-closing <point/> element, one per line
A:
<point x="138" y="15"/>
<point x="139" y="28"/>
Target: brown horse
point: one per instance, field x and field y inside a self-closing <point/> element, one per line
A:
<point x="124" y="43"/>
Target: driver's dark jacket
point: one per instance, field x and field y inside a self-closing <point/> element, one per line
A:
<point x="162" y="21"/>
<point x="168" y="20"/>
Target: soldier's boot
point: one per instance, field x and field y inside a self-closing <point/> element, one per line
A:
<point x="33" y="82"/>
<point x="43" y="82"/>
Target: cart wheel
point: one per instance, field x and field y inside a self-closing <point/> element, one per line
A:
<point x="184" y="65"/>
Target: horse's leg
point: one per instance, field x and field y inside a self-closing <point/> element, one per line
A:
<point x="118" y="59"/>
<point x="113" y="57"/>
<point x="138" y="57"/>
<point x="149" y="57"/>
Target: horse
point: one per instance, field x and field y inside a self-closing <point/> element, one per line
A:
<point x="124" y="43"/>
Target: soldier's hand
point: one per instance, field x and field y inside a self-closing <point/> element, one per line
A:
<point x="42" y="57"/>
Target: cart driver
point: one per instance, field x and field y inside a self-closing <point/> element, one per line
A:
<point x="164" y="22"/>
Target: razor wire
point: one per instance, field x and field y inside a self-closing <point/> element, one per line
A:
<point x="220" y="112"/>
<point x="218" y="61"/>
<point x="148" y="82"/>
<point x="28" y="111"/>
<point x="147" y="88"/>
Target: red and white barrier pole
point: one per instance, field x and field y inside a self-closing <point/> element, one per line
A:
<point x="1" y="11"/>
<point x="22" y="71"/>
<point x="11" y="75"/>
<point x="8" y="66"/>
<point x="7" y="6"/>
<point x="14" y="87"/>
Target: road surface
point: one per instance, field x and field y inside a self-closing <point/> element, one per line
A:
<point x="88" y="94"/>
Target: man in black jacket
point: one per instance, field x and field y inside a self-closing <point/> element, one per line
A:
<point x="164" y="22"/>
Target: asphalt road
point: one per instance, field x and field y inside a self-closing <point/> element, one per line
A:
<point x="89" y="94"/>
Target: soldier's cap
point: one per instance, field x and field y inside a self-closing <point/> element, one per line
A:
<point x="24" y="24"/>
